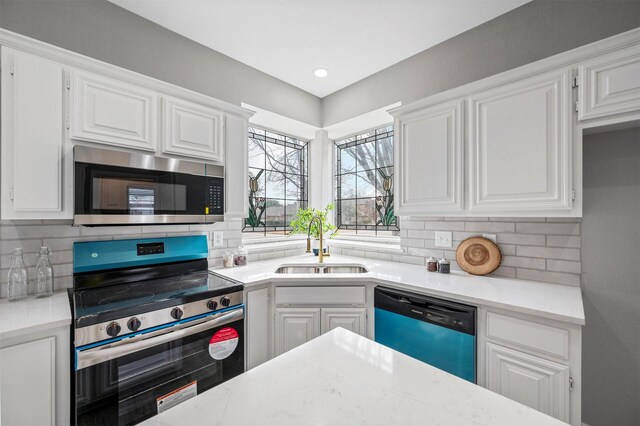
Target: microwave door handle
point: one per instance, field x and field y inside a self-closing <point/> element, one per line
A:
<point x="101" y="354"/>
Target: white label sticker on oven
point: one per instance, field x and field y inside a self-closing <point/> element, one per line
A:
<point x="223" y="343"/>
<point x="177" y="396"/>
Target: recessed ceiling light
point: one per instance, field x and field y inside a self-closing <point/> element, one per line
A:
<point x="320" y="72"/>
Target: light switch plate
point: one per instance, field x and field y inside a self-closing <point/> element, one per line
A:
<point x="443" y="239"/>
<point x="218" y="239"/>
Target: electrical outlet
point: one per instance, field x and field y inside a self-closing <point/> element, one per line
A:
<point x="491" y="237"/>
<point x="443" y="239"/>
<point x="218" y="239"/>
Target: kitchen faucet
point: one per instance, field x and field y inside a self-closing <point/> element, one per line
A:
<point x="321" y="254"/>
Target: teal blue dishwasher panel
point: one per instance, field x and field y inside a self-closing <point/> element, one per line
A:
<point x="446" y="349"/>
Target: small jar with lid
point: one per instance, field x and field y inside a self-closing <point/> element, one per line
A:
<point x="240" y="256"/>
<point x="432" y="264"/>
<point x="227" y="259"/>
<point x="444" y="266"/>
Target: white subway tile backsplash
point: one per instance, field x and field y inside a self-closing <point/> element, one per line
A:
<point x="550" y="277"/>
<point x="548" y="228"/>
<point x="543" y="249"/>
<point x="564" y="266"/>
<point x="524" y="262"/>
<point x="444" y="226"/>
<point x="563" y="241"/>
<point x="521" y="239"/>
<point x="493" y="227"/>
<point x="549" y="252"/>
<point x="59" y="236"/>
<point x="411" y="224"/>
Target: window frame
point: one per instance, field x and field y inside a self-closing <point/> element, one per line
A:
<point x="276" y="232"/>
<point x="356" y="230"/>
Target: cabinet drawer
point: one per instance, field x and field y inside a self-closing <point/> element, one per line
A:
<point x="320" y="295"/>
<point x="538" y="337"/>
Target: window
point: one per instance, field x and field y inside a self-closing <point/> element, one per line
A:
<point x="364" y="184"/>
<point x="277" y="181"/>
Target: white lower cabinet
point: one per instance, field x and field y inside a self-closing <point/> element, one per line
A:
<point x="533" y="381"/>
<point x="295" y="326"/>
<point x="258" y="329"/>
<point x="535" y="361"/>
<point x="34" y="380"/>
<point x="352" y="319"/>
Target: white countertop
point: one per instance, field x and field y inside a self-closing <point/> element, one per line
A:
<point x="341" y="378"/>
<point x="553" y="301"/>
<point x="32" y="315"/>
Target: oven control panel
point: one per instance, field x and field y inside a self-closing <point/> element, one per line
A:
<point x="140" y="322"/>
<point x="215" y="195"/>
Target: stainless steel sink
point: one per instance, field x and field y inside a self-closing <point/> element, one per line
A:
<point x="344" y="269"/>
<point x="321" y="269"/>
<point x="298" y="270"/>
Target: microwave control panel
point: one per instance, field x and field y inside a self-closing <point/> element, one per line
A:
<point x="215" y="195"/>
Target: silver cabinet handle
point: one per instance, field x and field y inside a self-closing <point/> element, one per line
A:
<point x="97" y="355"/>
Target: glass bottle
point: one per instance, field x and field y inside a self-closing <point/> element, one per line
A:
<point x="44" y="274"/>
<point x="18" y="281"/>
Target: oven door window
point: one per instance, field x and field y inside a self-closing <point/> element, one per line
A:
<point x="108" y="190"/>
<point x="134" y="387"/>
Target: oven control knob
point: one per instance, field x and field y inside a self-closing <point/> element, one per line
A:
<point x="176" y="313"/>
<point x="225" y="301"/>
<point x="113" y="329"/>
<point x="212" y="304"/>
<point x="134" y="324"/>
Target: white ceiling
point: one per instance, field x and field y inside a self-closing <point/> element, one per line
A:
<point x="288" y="39"/>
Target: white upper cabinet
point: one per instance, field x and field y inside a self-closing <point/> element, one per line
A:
<point x="610" y="84"/>
<point x="32" y="137"/>
<point x="112" y="112"/>
<point x="519" y="145"/>
<point x="192" y="130"/>
<point x="429" y="160"/>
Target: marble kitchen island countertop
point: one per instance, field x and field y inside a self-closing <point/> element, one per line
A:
<point x="553" y="301"/>
<point x="341" y="378"/>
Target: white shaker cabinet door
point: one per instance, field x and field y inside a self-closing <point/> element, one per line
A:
<point x="295" y="326"/>
<point x="257" y="327"/>
<point x="352" y="319"/>
<point x="429" y="160"/>
<point x="112" y="112"/>
<point x="32" y="137"/>
<point x="28" y="383"/>
<point x="519" y="144"/>
<point x="192" y="130"/>
<point x="535" y="382"/>
<point x="610" y="84"/>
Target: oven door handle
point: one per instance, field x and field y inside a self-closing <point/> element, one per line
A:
<point x="100" y="354"/>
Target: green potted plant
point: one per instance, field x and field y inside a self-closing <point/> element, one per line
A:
<point x="302" y="219"/>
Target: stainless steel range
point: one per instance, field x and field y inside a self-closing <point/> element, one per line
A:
<point x="152" y="327"/>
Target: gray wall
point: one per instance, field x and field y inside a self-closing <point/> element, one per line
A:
<point x="104" y="31"/>
<point x="531" y="32"/>
<point x="611" y="279"/>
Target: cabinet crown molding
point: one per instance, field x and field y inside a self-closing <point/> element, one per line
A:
<point x="82" y="62"/>
<point x="568" y="58"/>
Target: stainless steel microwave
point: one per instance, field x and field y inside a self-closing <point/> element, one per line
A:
<point x="123" y="188"/>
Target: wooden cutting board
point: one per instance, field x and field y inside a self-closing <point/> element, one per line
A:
<point x="478" y="256"/>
